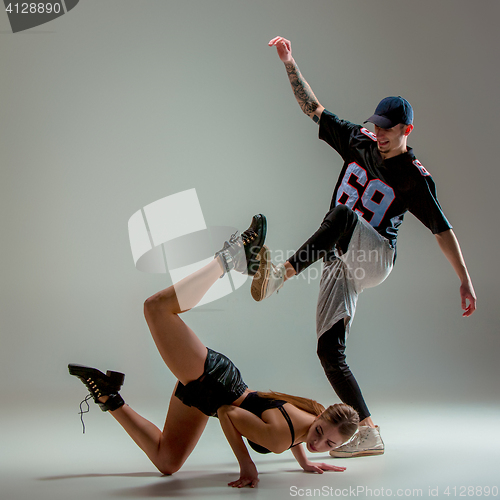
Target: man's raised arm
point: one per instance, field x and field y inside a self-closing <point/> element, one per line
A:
<point x="308" y="102"/>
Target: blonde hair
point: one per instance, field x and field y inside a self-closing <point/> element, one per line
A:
<point x="308" y="405"/>
<point x="344" y="417"/>
<point x="340" y="415"/>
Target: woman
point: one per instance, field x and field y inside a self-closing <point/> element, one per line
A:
<point x="210" y="385"/>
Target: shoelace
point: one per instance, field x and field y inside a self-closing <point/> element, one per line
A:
<point x="354" y="441"/>
<point x="248" y="235"/>
<point x="86" y="401"/>
<point x="278" y="272"/>
<point x="233" y="237"/>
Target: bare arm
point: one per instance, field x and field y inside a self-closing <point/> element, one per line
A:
<point x="248" y="471"/>
<point x="300" y="456"/>
<point x="303" y="93"/>
<point x="450" y="247"/>
<point x="270" y="431"/>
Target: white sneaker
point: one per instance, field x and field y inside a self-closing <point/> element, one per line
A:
<point x="365" y="442"/>
<point x="268" y="278"/>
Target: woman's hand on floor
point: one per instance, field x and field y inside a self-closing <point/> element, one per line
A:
<point x="319" y="468"/>
<point x="248" y="477"/>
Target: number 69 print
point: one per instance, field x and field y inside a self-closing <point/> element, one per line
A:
<point x="348" y="195"/>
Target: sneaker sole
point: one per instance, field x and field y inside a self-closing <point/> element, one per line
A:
<point x="261" y="279"/>
<point x="253" y="259"/>
<point x="365" y="453"/>
<point x="83" y="372"/>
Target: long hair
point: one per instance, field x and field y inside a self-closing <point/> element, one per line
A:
<point x="308" y="405"/>
<point x="340" y="415"/>
<point x="344" y="417"/>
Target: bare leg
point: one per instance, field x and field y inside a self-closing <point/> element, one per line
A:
<point x="168" y="450"/>
<point x="185" y="355"/>
<point x="180" y="348"/>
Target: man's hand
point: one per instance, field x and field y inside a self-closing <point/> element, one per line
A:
<point x="303" y="93"/>
<point x="468" y="298"/>
<point x="284" y="48"/>
<point x="318" y="468"/>
<point x="248" y="477"/>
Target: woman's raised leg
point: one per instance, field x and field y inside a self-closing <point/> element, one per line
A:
<point x="180" y="348"/>
<point x="182" y="351"/>
<point x="185" y="355"/>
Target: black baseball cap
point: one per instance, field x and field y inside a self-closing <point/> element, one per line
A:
<point x="391" y="111"/>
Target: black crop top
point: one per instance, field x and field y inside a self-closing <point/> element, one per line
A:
<point x="257" y="405"/>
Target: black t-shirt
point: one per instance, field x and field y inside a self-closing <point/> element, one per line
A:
<point x="381" y="191"/>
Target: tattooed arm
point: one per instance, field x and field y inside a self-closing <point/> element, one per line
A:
<point x="306" y="99"/>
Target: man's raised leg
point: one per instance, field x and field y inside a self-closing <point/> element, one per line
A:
<point x="336" y="229"/>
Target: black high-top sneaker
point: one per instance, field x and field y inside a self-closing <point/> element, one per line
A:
<point x="240" y="252"/>
<point x="100" y="385"/>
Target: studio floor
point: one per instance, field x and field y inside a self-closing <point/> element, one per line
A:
<point x="432" y="451"/>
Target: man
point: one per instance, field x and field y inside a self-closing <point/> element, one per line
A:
<point x="381" y="180"/>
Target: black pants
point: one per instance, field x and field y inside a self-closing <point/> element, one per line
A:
<point x="336" y="229"/>
<point x="331" y="352"/>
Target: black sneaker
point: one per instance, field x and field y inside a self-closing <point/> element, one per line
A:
<point x="100" y="385"/>
<point x="240" y="252"/>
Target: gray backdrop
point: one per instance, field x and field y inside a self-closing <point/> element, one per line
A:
<point x="120" y="103"/>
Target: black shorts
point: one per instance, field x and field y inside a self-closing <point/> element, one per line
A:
<point x="220" y="384"/>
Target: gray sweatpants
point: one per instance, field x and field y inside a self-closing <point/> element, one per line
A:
<point x="367" y="263"/>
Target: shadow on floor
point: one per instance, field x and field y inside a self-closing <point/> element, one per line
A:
<point x="79" y="476"/>
<point x="178" y="487"/>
